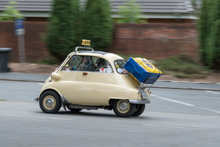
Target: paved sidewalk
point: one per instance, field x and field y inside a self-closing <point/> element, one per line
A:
<point x="26" y="77"/>
<point x="159" y="84"/>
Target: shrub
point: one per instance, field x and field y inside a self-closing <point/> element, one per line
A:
<point x="209" y="29"/>
<point x="62" y="35"/>
<point x="97" y="24"/>
<point x="130" y="13"/>
<point x="182" y="63"/>
<point x="10" y="13"/>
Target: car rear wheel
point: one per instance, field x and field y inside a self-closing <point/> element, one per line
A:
<point x="123" y="108"/>
<point x="50" y="102"/>
<point x="139" y="109"/>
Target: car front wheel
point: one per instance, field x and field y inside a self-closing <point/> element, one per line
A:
<point x="50" y="102"/>
<point x="123" y="108"/>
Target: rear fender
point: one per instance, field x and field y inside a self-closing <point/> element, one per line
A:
<point x="111" y="100"/>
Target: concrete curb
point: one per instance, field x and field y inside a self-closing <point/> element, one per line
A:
<point x="162" y="87"/>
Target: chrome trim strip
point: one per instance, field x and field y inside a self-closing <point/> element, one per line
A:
<point x="139" y="101"/>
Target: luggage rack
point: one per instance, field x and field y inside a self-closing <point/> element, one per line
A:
<point x="83" y="47"/>
<point x="142" y="85"/>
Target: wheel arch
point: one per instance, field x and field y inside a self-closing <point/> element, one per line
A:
<point x="49" y="89"/>
<point x="64" y="101"/>
<point x="112" y="99"/>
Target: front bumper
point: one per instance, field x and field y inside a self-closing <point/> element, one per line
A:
<point x="139" y="101"/>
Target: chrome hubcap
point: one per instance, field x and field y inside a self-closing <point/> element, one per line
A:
<point x="49" y="102"/>
<point x="123" y="106"/>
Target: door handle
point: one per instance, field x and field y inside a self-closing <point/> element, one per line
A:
<point x="85" y="73"/>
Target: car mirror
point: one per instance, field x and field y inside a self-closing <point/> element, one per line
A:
<point x="55" y="76"/>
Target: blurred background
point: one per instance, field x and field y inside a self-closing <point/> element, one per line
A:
<point x="175" y="35"/>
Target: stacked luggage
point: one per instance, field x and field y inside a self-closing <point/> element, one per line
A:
<point x="142" y="70"/>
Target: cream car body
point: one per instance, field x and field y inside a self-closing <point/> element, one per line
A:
<point x="87" y="88"/>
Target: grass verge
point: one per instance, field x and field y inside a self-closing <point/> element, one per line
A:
<point x="182" y="66"/>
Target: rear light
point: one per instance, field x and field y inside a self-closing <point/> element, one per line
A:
<point x="150" y="92"/>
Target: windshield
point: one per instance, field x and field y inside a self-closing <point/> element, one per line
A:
<point x="119" y="65"/>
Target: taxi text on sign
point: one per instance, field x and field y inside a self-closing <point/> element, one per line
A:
<point x="86" y="42"/>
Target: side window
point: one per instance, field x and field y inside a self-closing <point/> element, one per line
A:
<point x="103" y="66"/>
<point x="119" y="65"/>
<point x="88" y="63"/>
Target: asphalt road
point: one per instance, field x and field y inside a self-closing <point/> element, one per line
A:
<point x="173" y="118"/>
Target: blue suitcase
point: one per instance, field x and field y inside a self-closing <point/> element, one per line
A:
<point x="142" y="70"/>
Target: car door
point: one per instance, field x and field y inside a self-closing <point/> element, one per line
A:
<point x="84" y="87"/>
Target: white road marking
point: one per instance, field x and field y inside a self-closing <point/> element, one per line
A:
<point x="41" y="84"/>
<point x="175" y="101"/>
<point x="211" y="110"/>
<point x="182" y="113"/>
<point x="213" y="92"/>
<point x="13" y="115"/>
<point x="178" y="127"/>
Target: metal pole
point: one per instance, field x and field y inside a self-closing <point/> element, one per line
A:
<point x="21" y="48"/>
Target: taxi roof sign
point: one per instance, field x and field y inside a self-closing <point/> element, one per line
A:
<point x="86" y="42"/>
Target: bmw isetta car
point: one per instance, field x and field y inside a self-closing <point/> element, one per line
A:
<point x="89" y="79"/>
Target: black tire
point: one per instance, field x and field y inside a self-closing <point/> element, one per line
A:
<point x="74" y="110"/>
<point x="139" y="109"/>
<point x="127" y="111"/>
<point x="50" y="102"/>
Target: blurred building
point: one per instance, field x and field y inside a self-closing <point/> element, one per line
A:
<point x="171" y="29"/>
<point x="156" y="11"/>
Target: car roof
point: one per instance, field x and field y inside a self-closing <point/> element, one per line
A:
<point x="96" y="52"/>
<point x="105" y="55"/>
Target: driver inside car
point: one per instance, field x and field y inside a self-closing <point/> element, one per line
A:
<point x="86" y="64"/>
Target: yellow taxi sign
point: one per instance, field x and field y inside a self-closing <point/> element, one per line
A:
<point x="86" y="42"/>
